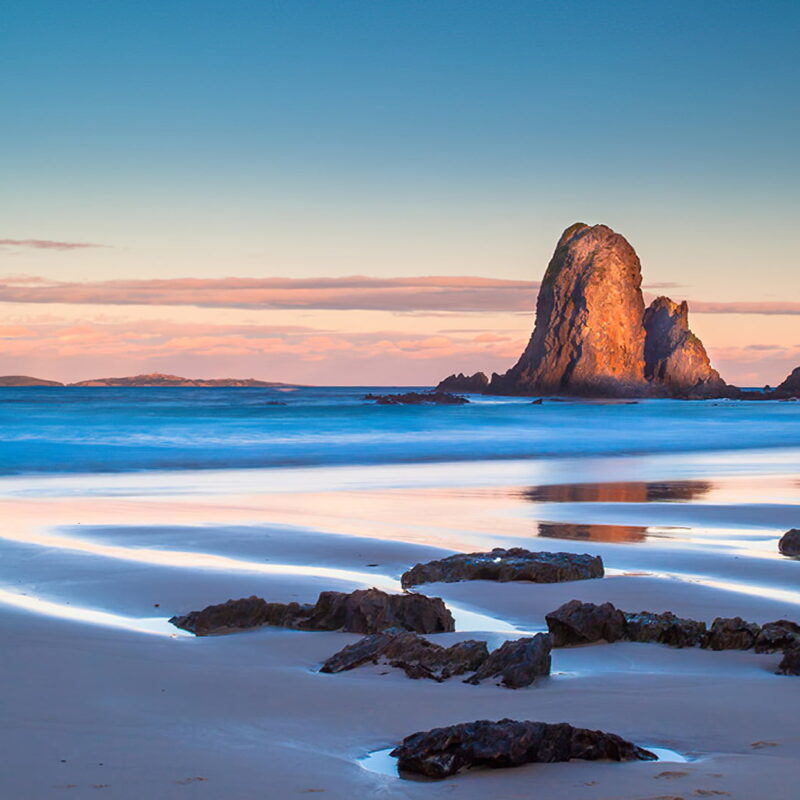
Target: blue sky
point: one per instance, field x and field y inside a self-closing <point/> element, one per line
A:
<point x="323" y="139"/>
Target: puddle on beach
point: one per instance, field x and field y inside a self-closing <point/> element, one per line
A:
<point x="382" y="763"/>
<point x="159" y="626"/>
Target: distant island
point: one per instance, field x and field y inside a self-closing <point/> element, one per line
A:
<point x="154" y="379"/>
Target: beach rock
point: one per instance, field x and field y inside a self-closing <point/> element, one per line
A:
<point x="518" y="663"/>
<point x="417" y="399"/>
<point x="582" y="623"/>
<point x="731" y="633"/>
<point x="515" y="564"/>
<point x="442" y="752"/>
<point x="237" y="615"/>
<point x="474" y="384"/>
<point x="362" y="611"/>
<point x="675" y="358"/>
<point x="776" y="636"/>
<point x="789" y="543"/>
<point x="664" y="628"/>
<point x="790" y="663"/>
<point x="418" y="657"/>
<point x="372" y="611"/>
<point x="588" y="339"/>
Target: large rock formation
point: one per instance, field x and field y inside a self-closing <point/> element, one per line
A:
<point x="588" y="339"/>
<point x="593" y="336"/>
<point x="674" y="358"/>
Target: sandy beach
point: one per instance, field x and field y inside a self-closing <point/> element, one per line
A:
<point x="104" y="696"/>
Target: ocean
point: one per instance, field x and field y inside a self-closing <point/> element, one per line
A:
<point x="96" y="430"/>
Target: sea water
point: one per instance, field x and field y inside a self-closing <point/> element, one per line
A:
<point x="103" y="429"/>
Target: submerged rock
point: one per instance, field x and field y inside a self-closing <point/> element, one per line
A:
<point x="416" y="656"/>
<point x="362" y="611"/>
<point x="664" y="628"/>
<point x="789" y="544"/>
<point x="417" y="399"/>
<point x="731" y="633"/>
<point x="583" y="623"/>
<point x="515" y="564"/>
<point x="518" y="663"/>
<point x="474" y="384"/>
<point x="442" y="752"/>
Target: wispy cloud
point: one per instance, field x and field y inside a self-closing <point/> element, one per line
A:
<point x="743" y="307"/>
<point x="47" y="244"/>
<point x="458" y="294"/>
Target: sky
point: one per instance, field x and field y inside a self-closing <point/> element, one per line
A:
<point x="342" y="192"/>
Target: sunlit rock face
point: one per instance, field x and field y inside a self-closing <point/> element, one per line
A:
<point x="593" y="336"/>
<point x="675" y="359"/>
<point x="588" y="338"/>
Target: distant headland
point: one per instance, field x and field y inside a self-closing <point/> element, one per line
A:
<point x="593" y="336"/>
<point x="154" y="379"/>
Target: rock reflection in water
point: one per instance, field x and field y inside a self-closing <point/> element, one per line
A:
<point x="595" y="533"/>
<point x="619" y="492"/>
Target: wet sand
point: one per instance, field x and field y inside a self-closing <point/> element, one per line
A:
<point x="116" y="701"/>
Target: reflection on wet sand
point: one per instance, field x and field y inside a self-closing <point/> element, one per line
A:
<point x="595" y="533"/>
<point x="619" y="492"/>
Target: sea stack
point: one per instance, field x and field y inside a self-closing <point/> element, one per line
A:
<point x="588" y="339"/>
<point x="593" y="336"/>
<point x="675" y="359"/>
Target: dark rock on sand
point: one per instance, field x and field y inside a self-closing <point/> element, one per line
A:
<point x="516" y="564"/>
<point x="362" y="611"/>
<point x="583" y="623"/>
<point x="418" y="657"/>
<point x="776" y="636"/>
<point x="790" y="663"/>
<point x="417" y="399"/>
<point x="664" y="628"/>
<point x="518" y="663"/>
<point x="474" y="384"/>
<point x="731" y="633"/>
<point x="789" y="544"/>
<point x="442" y="752"/>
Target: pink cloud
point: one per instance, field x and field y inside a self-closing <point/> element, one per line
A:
<point x="47" y="244"/>
<point x="426" y="293"/>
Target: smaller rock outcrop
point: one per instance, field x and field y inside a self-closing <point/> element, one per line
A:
<point x="518" y="663"/>
<point x="674" y="357"/>
<point x="731" y="633"/>
<point x="515" y="564"/>
<point x="362" y="611"/>
<point x="789" y="544"/>
<point x="583" y="623"/>
<point x="416" y="656"/>
<point x="791" y="386"/>
<point x="776" y="636"/>
<point x="790" y="663"/>
<point x="472" y="384"/>
<point x="26" y="380"/>
<point x="442" y="752"/>
<point x="417" y="399"/>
